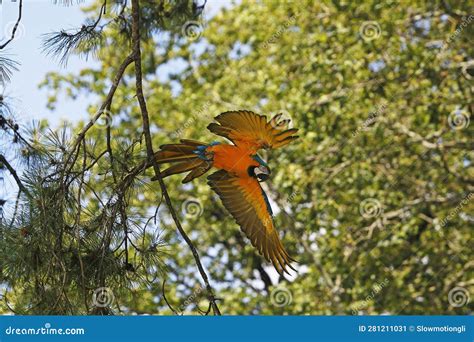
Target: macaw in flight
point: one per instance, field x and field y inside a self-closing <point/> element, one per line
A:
<point x="240" y="171"/>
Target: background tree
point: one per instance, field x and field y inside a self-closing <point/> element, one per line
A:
<point x="373" y="200"/>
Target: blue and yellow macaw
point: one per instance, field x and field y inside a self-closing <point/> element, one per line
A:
<point x="240" y="171"/>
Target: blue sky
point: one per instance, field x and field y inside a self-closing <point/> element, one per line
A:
<point x="40" y="17"/>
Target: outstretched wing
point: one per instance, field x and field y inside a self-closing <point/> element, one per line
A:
<point x="248" y="204"/>
<point x="245" y="128"/>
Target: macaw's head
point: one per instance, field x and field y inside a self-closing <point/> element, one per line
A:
<point x="261" y="172"/>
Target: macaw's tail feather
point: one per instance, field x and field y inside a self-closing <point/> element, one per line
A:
<point x="189" y="155"/>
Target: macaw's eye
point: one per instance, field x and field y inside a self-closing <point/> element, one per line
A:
<point x="262" y="173"/>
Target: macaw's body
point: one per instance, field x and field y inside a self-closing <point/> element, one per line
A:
<point x="240" y="171"/>
<point x="232" y="158"/>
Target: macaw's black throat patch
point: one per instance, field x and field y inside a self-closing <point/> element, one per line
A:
<point x="261" y="173"/>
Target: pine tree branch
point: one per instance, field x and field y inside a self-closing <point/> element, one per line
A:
<point x="20" y="7"/>
<point x="63" y="43"/>
<point x="7" y="67"/>
<point x="150" y="153"/>
<point x="14" y="174"/>
<point x="103" y="108"/>
<point x="166" y="300"/>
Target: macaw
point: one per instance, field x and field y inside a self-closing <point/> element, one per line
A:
<point x="240" y="169"/>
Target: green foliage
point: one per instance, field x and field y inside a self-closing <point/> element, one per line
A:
<point x="373" y="200"/>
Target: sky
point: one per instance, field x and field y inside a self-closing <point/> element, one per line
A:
<point x="40" y="17"/>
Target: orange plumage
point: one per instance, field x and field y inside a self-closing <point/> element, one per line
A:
<point x="232" y="158"/>
<point x="240" y="171"/>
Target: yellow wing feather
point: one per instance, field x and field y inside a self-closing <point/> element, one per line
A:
<point x="246" y="201"/>
<point x="246" y="128"/>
